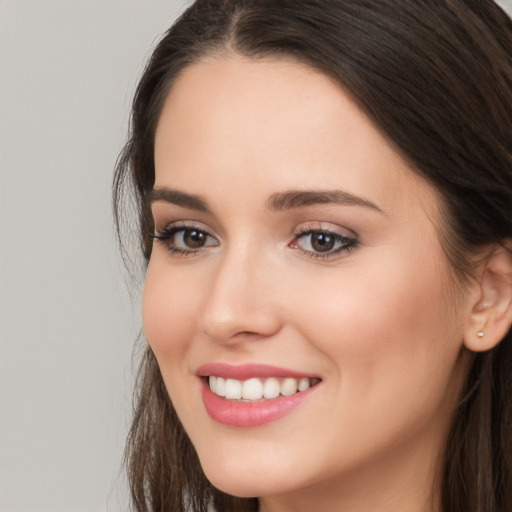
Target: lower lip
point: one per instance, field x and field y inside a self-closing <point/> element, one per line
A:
<point x="250" y="414"/>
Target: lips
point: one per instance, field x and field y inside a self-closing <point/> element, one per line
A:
<point x="252" y="395"/>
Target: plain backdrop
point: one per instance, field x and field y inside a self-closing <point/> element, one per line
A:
<point x="67" y="323"/>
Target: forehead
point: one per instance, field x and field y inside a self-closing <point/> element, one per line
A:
<point x="270" y="125"/>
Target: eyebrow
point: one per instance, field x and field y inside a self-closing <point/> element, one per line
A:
<point x="277" y="202"/>
<point x="168" y="195"/>
<point x="298" y="199"/>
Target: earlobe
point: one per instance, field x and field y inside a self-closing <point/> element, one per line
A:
<point x="491" y="316"/>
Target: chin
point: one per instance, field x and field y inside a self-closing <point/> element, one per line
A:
<point x="244" y="480"/>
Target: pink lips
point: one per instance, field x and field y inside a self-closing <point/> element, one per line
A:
<point x="249" y="414"/>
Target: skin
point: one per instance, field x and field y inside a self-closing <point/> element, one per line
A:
<point x="378" y="323"/>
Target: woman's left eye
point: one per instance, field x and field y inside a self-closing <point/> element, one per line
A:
<point x="323" y="244"/>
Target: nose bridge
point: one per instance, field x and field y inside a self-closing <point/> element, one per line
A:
<point x="240" y="299"/>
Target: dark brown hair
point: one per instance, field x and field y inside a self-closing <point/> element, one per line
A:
<point x="436" y="78"/>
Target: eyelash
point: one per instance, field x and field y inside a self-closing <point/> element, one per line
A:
<point x="347" y="244"/>
<point x="166" y="236"/>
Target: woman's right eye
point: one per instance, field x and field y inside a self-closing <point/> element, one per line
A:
<point x="185" y="240"/>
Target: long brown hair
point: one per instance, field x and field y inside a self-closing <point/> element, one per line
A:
<point x="436" y="77"/>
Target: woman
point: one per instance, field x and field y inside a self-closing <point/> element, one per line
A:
<point x="324" y="194"/>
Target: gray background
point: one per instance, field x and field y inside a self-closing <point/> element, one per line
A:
<point x="67" y="323"/>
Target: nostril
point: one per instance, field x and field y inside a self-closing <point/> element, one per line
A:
<point x="247" y="326"/>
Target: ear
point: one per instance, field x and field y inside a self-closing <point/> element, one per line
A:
<point x="491" y="317"/>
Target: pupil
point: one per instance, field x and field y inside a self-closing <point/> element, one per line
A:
<point x="194" y="238"/>
<point x="322" y="242"/>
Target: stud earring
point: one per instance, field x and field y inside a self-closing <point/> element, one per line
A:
<point x="480" y="334"/>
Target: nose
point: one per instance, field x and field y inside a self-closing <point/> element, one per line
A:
<point x="241" y="301"/>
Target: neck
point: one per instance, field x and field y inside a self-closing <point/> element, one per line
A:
<point x="404" y="479"/>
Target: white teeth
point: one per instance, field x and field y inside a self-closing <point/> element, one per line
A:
<point x="257" y="389"/>
<point x="219" y="385"/>
<point x="289" y="386"/>
<point x="252" y="389"/>
<point x="303" y="384"/>
<point x="271" y="388"/>
<point x="233" y="389"/>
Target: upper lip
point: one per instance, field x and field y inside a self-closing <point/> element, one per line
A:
<point x="248" y="371"/>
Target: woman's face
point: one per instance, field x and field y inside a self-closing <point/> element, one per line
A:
<point x="295" y="247"/>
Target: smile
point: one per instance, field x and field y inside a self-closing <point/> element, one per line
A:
<point x="255" y="389"/>
<point x="253" y="395"/>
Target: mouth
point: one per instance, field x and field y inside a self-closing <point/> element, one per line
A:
<point x="256" y="389"/>
<point x="253" y="395"/>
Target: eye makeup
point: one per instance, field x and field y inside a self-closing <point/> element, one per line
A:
<point x="321" y="243"/>
<point x="313" y="241"/>
<point x="185" y="239"/>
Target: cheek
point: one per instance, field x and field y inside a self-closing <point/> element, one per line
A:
<point x="169" y="307"/>
<point x="359" y="309"/>
<point x="390" y="335"/>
